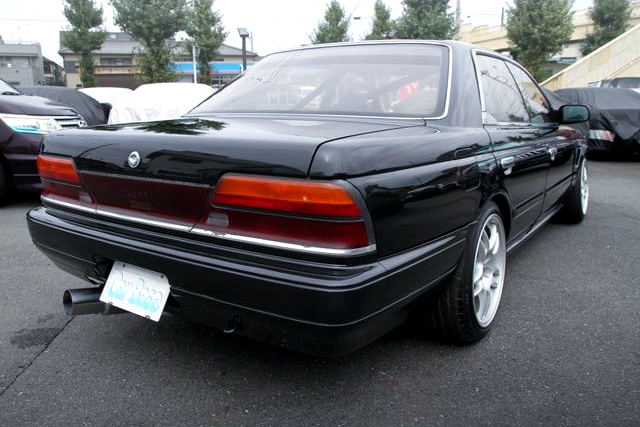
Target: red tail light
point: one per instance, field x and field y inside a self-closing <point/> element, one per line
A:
<point x="60" y="179"/>
<point x="303" y="197"/>
<point x="57" y="169"/>
<point x="307" y="214"/>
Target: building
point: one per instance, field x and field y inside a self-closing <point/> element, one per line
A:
<point x="116" y="62"/>
<point x="53" y="73"/>
<point x="21" y="64"/>
<point x="495" y="38"/>
<point x="227" y="65"/>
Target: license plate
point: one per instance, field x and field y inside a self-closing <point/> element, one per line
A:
<point x="135" y="289"/>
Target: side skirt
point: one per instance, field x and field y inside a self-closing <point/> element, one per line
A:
<point x="536" y="226"/>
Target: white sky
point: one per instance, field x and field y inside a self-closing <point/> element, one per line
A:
<point x="275" y="24"/>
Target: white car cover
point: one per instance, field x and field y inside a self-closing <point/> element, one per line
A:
<point x="112" y="95"/>
<point x="159" y="101"/>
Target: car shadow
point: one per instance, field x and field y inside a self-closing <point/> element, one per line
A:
<point x="21" y="199"/>
<point x="613" y="156"/>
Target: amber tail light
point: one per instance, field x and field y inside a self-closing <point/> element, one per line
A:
<point x="293" y="212"/>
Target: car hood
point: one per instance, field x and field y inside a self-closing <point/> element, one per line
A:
<point x="200" y="150"/>
<point x="33" y="105"/>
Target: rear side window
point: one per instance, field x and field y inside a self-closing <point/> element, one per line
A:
<point x="503" y="102"/>
<point x="536" y="103"/>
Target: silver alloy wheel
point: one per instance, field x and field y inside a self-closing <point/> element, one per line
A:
<point x="489" y="270"/>
<point x="584" y="187"/>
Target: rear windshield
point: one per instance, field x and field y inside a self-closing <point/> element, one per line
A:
<point x="379" y="80"/>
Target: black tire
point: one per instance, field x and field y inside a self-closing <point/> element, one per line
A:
<point x="4" y="188"/>
<point x="457" y="314"/>
<point x="577" y="201"/>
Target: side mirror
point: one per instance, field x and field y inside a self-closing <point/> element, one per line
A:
<point x="569" y="114"/>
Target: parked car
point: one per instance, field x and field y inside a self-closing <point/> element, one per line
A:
<point x="107" y="95"/>
<point x="615" y="117"/>
<point x="23" y="121"/>
<point x="321" y="199"/>
<point x="91" y="110"/>
<point x="159" y="101"/>
<point x="619" y="82"/>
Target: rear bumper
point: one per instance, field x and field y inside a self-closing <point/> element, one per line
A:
<point x="314" y="307"/>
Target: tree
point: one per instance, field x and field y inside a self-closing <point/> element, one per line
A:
<point x="382" y="22"/>
<point x="84" y="35"/>
<point x="153" y="23"/>
<point x="537" y="30"/>
<point x="205" y="27"/>
<point x="426" y="19"/>
<point x="610" y="19"/>
<point x="58" y="78"/>
<point x="334" y="28"/>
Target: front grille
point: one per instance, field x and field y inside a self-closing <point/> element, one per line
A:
<point x="69" y="122"/>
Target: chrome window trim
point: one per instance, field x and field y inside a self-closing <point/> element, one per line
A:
<point x="483" y="106"/>
<point x="199" y="231"/>
<point x="444" y="114"/>
<point x="509" y="61"/>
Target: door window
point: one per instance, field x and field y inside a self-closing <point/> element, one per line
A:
<point x="503" y="102"/>
<point x="535" y="101"/>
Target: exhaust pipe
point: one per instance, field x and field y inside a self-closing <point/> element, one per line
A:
<point x="86" y="301"/>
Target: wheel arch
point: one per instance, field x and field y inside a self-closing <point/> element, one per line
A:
<point x="504" y="206"/>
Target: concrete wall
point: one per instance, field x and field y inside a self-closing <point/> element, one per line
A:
<point x="21" y="64"/>
<point x="496" y="37"/>
<point x="618" y="58"/>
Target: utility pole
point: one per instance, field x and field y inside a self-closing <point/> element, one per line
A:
<point x="458" y="19"/>
<point x="193" y="59"/>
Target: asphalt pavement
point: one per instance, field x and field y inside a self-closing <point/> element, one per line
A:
<point x="565" y="349"/>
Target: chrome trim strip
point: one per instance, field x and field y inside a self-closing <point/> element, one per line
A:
<point x="231" y="237"/>
<point x="110" y="214"/>
<point x="140" y="220"/>
<point x="283" y="245"/>
<point x="68" y="205"/>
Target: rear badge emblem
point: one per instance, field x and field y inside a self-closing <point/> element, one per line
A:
<point x="134" y="159"/>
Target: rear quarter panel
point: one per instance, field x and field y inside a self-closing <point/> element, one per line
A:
<point x="418" y="183"/>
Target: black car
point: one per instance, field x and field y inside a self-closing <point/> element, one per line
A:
<point x="23" y="121"/>
<point x="321" y="199"/>
<point x="92" y="111"/>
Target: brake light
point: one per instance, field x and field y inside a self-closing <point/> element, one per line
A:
<point x="281" y="212"/>
<point x="57" y="169"/>
<point x="301" y="197"/>
<point x="60" y="179"/>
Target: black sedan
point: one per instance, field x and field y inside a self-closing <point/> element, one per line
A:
<point x="321" y="199"/>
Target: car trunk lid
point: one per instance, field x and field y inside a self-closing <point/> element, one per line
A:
<point x="163" y="173"/>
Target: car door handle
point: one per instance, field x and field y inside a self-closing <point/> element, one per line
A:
<point x="507" y="164"/>
<point x="552" y="152"/>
